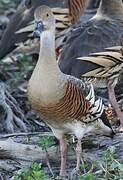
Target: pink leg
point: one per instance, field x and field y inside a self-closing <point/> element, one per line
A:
<point x="63" y="150"/>
<point x="78" y="154"/>
<point x="112" y="98"/>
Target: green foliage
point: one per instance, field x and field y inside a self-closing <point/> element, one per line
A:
<point x="33" y="173"/>
<point x="113" y="169"/>
<point x="88" y="176"/>
<point x="18" y="70"/>
<point x="46" y="142"/>
<point x="23" y="62"/>
<point x="88" y="169"/>
<point x="110" y="169"/>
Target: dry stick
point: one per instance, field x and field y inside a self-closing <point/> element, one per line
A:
<point x="14" y="104"/>
<point x="9" y="118"/>
<point x="48" y="162"/>
<point x="24" y="152"/>
<point x="15" y="108"/>
<point x="27" y="134"/>
<point x="10" y="106"/>
<point x="39" y="123"/>
<point x="7" y="109"/>
<point x="19" y="123"/>
<point x="83" y="163"/>
<point x="11" y="98"/>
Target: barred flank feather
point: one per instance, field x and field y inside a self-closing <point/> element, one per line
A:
<point x="73" y="105"/>
<point x="76" y="7"/>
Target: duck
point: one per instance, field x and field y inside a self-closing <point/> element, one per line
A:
<point x="89" y="11"/>
<point x="23" y="15"/>
<point x="65" y="18"/>
<point x="31" y="45"/>
<point x="103" y="30"/>
<point x="110" y="67"/>
<point x="63" y="101"/>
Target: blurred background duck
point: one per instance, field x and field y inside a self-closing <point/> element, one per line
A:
<point x="77" y="11"/>
<point x="103" y="30"/>
<point x="65" y="18"/>
<point x="90" y="10"/>
<point x="110" y="67"/>
<point x="65" y="103"/>
<point x="22" y="22"/>
<point x="20" y="19"/>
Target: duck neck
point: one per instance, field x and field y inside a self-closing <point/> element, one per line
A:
<point x="47" y="80"/>
<point x="111" y="8"/>
<point x="47" y="58"/>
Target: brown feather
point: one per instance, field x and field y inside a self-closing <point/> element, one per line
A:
<point x="72" y="105"/>
<point x="76" y="7"/>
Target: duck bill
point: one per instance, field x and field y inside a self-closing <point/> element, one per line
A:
<point x="39" y="27"/>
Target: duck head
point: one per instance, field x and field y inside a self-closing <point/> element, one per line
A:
<point x="44" y="20"/>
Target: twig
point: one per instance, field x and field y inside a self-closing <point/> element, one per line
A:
<point x="27" y="134"/>
<point x="83" y="163"/>
<point x="48" y="162"/>
<point x="13" y="116"/>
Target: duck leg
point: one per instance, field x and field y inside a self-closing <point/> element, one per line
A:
<point x="63" y="150"/>
<point x="75" y="171"/>
<point x="113" y="100"/>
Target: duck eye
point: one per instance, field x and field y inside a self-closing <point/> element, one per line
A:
<point x="47" y="15"/>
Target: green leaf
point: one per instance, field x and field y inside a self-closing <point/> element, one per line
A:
<point x="120" y="167"/>
<point x="114" y="165"/>
<point x="88" y="176"/>
<point x="33" y="173"/>
<point x="46" y="142"/>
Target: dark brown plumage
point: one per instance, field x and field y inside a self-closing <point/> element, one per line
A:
<point x="90" y="10"/>
<point x="103" y="30"/>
